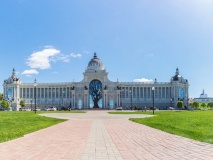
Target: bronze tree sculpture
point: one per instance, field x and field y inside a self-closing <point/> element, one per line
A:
<point x="95" y="90"/>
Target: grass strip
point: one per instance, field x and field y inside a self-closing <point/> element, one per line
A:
<point x="16" y="124"/>
<point x="195" y="125"/>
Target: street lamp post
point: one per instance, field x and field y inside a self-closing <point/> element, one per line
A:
<point x="153" y="96"/>
<point x="35" y="84"/>
<point x="171" y="102"/>
<point x="131" y="98"/>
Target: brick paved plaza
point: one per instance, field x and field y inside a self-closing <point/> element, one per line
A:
<point x="98" y="135"/>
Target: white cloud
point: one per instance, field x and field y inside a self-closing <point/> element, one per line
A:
<point x="75" y="55"/>
<point x="65" y="58"/>
<point x="41" y="59"/>
<point x="150" y="55"/>
<point x="48" y="46"/>
<point x="30" y="72"/>
<point x="86" y="52"/>
<point x="143" y="80"/>
<point x="54" y="72"/>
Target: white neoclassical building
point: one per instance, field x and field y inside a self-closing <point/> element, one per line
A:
<point x="204" y="98"/>
<point x="96" y="91"/>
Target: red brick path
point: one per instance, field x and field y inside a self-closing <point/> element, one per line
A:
<point x="97" y="135"/>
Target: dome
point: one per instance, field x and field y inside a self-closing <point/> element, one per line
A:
<point x="177" y="77"/>
<point x="95" y="63"/>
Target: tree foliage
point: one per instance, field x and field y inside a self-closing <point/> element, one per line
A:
<point x="196" y="105"/>
<point x="1" y="96"/>
<point x="203" y="105"/>
<point x="180" y="104"/>
<point x="22" y="103"/>
<point x="210" y="104"/>
<point x="5" y="104"/>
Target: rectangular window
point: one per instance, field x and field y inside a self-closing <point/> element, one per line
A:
<point x="149" y="91"/>
<point x="70" y="92"/>
<point x="137" y="92"/>
<point x="167" y="92"/>
<point x="53" y="93"/>
<point x="127" y="92"/>
<point x="31" y="92"/>
<point x="145" y="92"/>
<point x="163" y="92"/>
<point x="38" y="93"/>
<point x="141" y="92"/>
<point x="24" y="93"/>
<point x="67" y="92"/>
<point x="46" y="93"/>
<point x="49" y="93"/>
<point x="130" y="92"/>
<point x="156" y="92"/>
<point x="159" y="92"/>
<point x="134" y="92"/>
<point x="28" y="92"/>
<point x="21" y="93"/>
<point x="64" y="92"/>
<point x="123" y="92"/>
<point x="60" y="93"/>
<point x="57" y="90"/>
<point x="42" y="92"/>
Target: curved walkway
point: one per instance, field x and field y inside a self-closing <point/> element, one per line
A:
<point x="98" y="135"/>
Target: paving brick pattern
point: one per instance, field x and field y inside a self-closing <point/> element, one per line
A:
<point x="135" y="141"/>
<point x="97" y="135"/>
<point x="64" y="141"/>
<point x="100" y="145"/>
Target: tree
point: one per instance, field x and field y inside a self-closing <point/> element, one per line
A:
<point x="203" y="105"/>
<point x="196" y="105"/>
<point x="210" y="104"/>
<point x="5" y="104"/>
<point x="95" y="90"/>
<point x="180" y="104"/>
<point x="1" y="96"/>
<point x="22" y="103"/>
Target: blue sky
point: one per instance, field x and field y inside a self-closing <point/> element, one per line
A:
<point x="53" y="40"/>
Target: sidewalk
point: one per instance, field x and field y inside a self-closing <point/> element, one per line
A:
<point x="98" y="135"/>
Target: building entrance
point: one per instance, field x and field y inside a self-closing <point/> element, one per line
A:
<point x="95" y="91"/>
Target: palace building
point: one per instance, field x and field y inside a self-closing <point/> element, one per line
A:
<point x="96" y="91"/>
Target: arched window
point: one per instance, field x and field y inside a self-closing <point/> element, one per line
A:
<point x="95" y="91"/>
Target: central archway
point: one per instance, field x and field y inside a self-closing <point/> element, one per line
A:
<point x="95" y="91"/>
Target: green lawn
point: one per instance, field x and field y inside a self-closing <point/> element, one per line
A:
<point x="197" y="125"/>
<point x="17" y="124"/>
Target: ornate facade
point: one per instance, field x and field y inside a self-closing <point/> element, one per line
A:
<point x="96" y="91"/>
